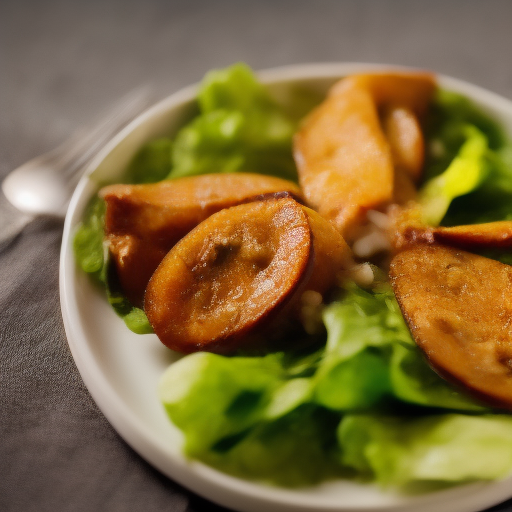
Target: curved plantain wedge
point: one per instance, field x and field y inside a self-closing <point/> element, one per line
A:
<point x="491" y="235"/>
<point x="408" y="229"/>
<point x="143" y="222"/>
<point x="347" y="149"/>
<point x="458" y="307"/>
<point x="405" y="137"/>
<point x="411" y="89"/>
<point x="238" y="270"/>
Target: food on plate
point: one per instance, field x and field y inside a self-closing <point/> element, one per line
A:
<point x="458" y="306"/>
<point x="404" y="134"/>
<point x="346" y="155"/>
<point x="239" y="272"/>
<point x="143" y="222"/>
<point x="490" y="235"/>
<point x="400" y="450"/>
<point x="320" y="371"/>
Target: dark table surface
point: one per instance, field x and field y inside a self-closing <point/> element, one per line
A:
<point x="62" y="62"/>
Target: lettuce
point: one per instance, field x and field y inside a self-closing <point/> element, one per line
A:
<point x="239" y="128"/>
<point x="152" y="163"/>
<point x="360" y="329"/>
<point x="213" y="399"/>
<point x="414" y="381"/>
<point x="297" y="449"/>
<point x="134" y="318"/>
<point x="250" y="416"/>
<point x="363" y="318"/>
<point x="464" y="174"/>
<point x="276" y="417"/>
<point x="448" y="447"/>
<point x="469" y="163"/>
<point x="88" y="239"/>
<point x="92" y="258"/>
<point x="370" y="356"/>
<point x="357" y="384"/>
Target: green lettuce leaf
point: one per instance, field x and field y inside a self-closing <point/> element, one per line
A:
<point x="88" y="239"/>
<point x="239" y="128"/>
<point x="93" y="258"/>
<point x="450" y="114"/>
<point x="297" y="449"/>
<point x="464" y="174"/>
<point x="134" y="318"/>
<point x="359" y="383"/>
<point x="414" y="381"/>
<point x="252" y="417"/>
<point x="215" y="399"/>
<point x="370" y="356"/>
<point x="363" y="318"/>
<point x="152" y="163"/>
<point x="447" y="132"/>
<point x="449" y="447"/>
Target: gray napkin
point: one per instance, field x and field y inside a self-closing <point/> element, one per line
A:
<point x="57" y="450"/>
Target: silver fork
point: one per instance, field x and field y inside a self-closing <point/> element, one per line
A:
<point x="44" y="185"/>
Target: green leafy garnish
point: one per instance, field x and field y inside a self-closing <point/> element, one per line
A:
<point x="152" y="163"/>
<point x="264" y="417"/>
<point x="92" y="257"/>
<point x="135" y="318"/>
<point x="464" y="174"/>
<point x="446" y="447"/>
<point x="88" y="240"/>
<point x="474" y="154"/>
<point x="239" y="128"/>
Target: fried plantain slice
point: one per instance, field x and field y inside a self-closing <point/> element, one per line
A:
<point x="408" y="228"/>
<point x="490" y="235"/>
<point x="458" y="307"/>
<point x="405" y="137"/>
<point x="236" y="271"/>
<point x="411" y="89"/>
<point x="143" y="222"/>
<point x="345" y="162"/>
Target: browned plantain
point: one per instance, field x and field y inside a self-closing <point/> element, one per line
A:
<point x="458" y="307"/>
<point x="345" y="162"/>
<point x="408" y="228"/>
<point x="232" y="275"/>
<point x="491" y="235"/>
<point x="405" y="137"/>
<point x="144" y="221"/>
<point x="412" y="90"/>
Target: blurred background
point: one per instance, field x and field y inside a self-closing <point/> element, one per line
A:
<point x="65" y="60"/>
<point x="62" y="63"/>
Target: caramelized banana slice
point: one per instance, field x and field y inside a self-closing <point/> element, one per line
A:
<point x="491" y="235"/>
<point x="412" y="90"/>
<point x="459" y="309"/>
<point x="230" y="276"/>
<point x="144" y="221"/>
<point x="403" y="132"/>
<point x="345" y="161"/>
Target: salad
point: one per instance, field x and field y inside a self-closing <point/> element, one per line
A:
<point x="333" y="373"/>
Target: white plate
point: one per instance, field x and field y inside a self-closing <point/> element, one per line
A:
<point x="121" y="369"/>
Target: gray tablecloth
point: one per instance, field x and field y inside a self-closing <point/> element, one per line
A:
<point x="64" y="61"/>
